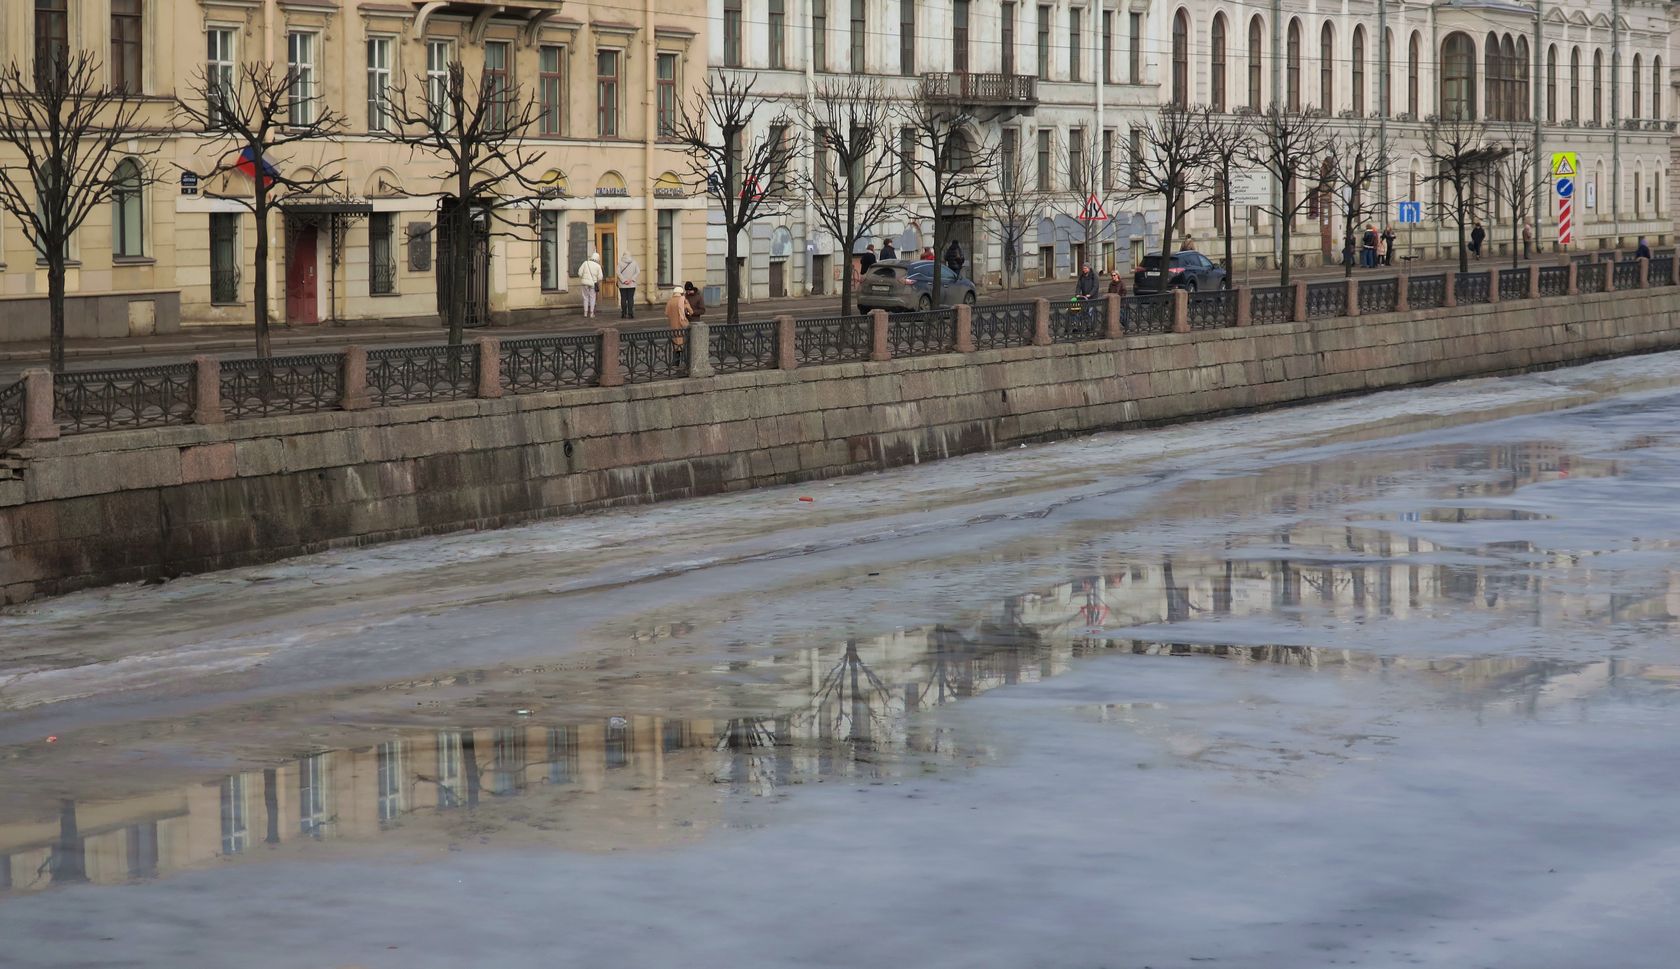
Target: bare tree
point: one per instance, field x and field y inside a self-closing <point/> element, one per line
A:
<point x="850" y="188"/>
<point x="476" y="129"/>
<point x="69" y="133"/>
<point x="1357" y="159"/>
<point x="1087" y="196"/>
<point x="1460" y="152"/>
<point x="742" y="169"/>
<point x="949" y="166"/>
<point x="1290" y="146"/>
<point x="249" y="114"/>
<point x="1011" y="204"/>
<point x="1170" y="164"/>
<point x="1511" y="173"/>
<point x="1229" y="140"/>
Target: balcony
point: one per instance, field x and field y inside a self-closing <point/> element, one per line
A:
<point x="532" y="14"/>
<point x="990" y="97"/>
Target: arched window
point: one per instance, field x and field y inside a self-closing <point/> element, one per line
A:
<point x="1493" y="88"/>
<point x="1385" y="63"/>
<point x="1216" y="77"/>
<point x="1615" y="100"/>
<point x="1598" y="87"/>
<point x="1638" y="87"/>
<point x="1458" y="77"/>
<point x="1575" y="84"/>
<point x="1256" y="61"/>
<point x="1181" y="59"/>
<point x="1292" y="73"/>
<point x="1358" y="69"/>
<point x="1327" y="69"/>
<point x="1656" y="95"/>
<point x="128" y="229"/>
<point x="1412" y="58"/>
<point x="1638" y="193"/>
<point x="1523" y="108"/>
<point x="1551" y="84"/>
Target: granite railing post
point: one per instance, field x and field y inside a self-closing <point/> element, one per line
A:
<point x="880" y="336"/>
<point x="787" y="343"/>
<point x="1352" y="297"/>
<point x="1449" y="288"/>
<point x="1112" y="329"/>
<point x="963" y="315"/>
<point x="489" y="367"/>
<point x="39" y="424"/>
<point x="353" y="392"/>
<point x="1644" y="272"/>
<point x="610" y="367"/>
<point x="1181" y="311"/>
<point x="1041" y="323"/>
<point x="1533" y="280"/>
<point x="207" y="390"/>
<point x="1402" y="293"/>
<point x="1245" y="306"/>
<point x="699" y="350"/>
<point x="1493" y="285"/>
<point x="1610" y="276"/>
<point x="1299" y="313"/>
<point x="1573" y="287"/>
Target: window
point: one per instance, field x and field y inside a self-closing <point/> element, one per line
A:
<point x="382" y="254"/>
<point x="125" y="45"/>
<point x="551" y="90"/>
<point x="1359" y="71"/>
<point x="224" y="257"/>
<point x="1575" y="84"/>
<point x="236" y="835"/>
<point x="1292" y="71"/>
<point x="859" y="32"/>
<point x="300" y="68"/>
<point x="1327" y="69"/>
<point x="1108" y="159"/>
<point x="1008" y="17"/>
<point x="1598" y="87"/>
<point x="1551" y="84"/>
<point x="1256" y="63"/>
<point x="128" y="233"/>
<point x="52" y="36"/>
<point x="1044" y="145"/>
<point x="665" y="76"/>
<point x="1412" y="48"/>
<point x="731" y="33"/>
<point x="907" y="161"/>
<point x="1216" y="80"/>
<point x="1524" y="90"/>
<point x="1134" y="46"/>
<point x="907" y="36"/>
<point x="777" y="136"/>
<point x="821" y="171"/>
<point x="1134" y="167"/>
<point x="218" y="70"/>
<point x="1458" y="77"/>
<point x="819" y="35"/>
<point x="1181" y="59"/>
<point x="959" y="35"/>
<point x="549" y="251"/>
<point x="1076" y="44"/>
<point x="778" y="34"/>
<point x="1656" y="89"/>
<point x="1043" y="41"/>
<point x="388" y="771"/>
<point x="1638" y="89"/>
<point x="665" y="249"/>
<point x="1385" y="63"/>
<point x="378" y="83"/>
<point x="1010" y="152"/>
<point x="606" y="93"/>
<point x="438" y="58"/>
<point x="1493" y="80"/>
<point x="498" y="83"/>
<point x="1108" y="46"/>
<point x="1076" y="159"/>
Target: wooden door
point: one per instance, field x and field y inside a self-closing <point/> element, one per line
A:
<point x="778" y="278"/>
<point x="606" y="243"/>
<point x="302" y="305"/>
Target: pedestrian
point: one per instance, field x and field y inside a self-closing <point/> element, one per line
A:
<point x="589" y="274"/>
<point x="866" y="261"/>
<point x="1388" y="245"/>
<point x="1189" y="244"/>
<point x="927" y="253"/>
<point x="1368" y="247"/>
<point x="629" y="275"/>
<point x="1116" y="285"/>
<point x="1528" y="238"/>
<point x="677" y="314"/>
<point x="1087" y="287"/>
<point x="696" y="302"/>
<point x="954" y="258"/>
<point x="1477" y="234"/>
<point x="1644" y="250"/>
<point x="887" y="250"/>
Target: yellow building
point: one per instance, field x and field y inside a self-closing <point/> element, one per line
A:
<point x="603" y="76"/>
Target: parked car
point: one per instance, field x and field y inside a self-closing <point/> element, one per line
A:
<point x="1188" y="270"/>
<point x="903" y="285"/>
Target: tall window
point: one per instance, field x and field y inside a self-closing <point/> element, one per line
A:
<point x="1107" y="47"/>
<point x="551" y="89"/>
<point x="218" y="71"/>
<point x="907" y="37"/>
<point x="1008" y="42"/>
<point x="128" y="234"/>
<point x="1359" y="71"/>
<point x="1327" y="69"/>
<point x="665" y="78"/>
<point x="606" y="93"/>
<point x="858" y="35"/>
<point x="52" y="35"/>
<point x="498" y="82"/>
<point x="125" y="45"/>
<point x="378" y="83"/>
<point x="819" y="35"/>
<point x="1076" y="159"/>
<point x="1010" y="158"/>
<point x="907" y="161"/>
<point x="1575" y="84"/>
<point x="665" y="249"/>
<point x="959" y="35"/>
<point x="1551" y="84"/>
<point x="1044" y="146"/>
<point x="1598" y="87"/>
<point x="1458" y="77"/>
<point x="731" y="33"/>
<point x="1413" y="48"/>
<point x="1493" y="80"/>
<point x="382" y="262"/>
<point x="1638" y="87"/>
<point x="1181" y="58"/>
<point x="1134" y="158"/>
<point x="1524" y="88"/>
<point x="1292" y="67"/>
<point x="1043" y="40"/>
<point x="1108" y="159"/>
<point x="1256" y="62"/>
<point x="224" y="257"/>
<point x="438" y="58"/>
<point x="1076" y="44"/>
<point x="300" y="67"/>
<point x="1656" y="90"/>
<point x="1134" y="47"/>
<point x="822" y="171"/>
<point x="1385" y="63"/>
<point x="549" y="249"/>
<point x="1217" y="71"/>
<point x="778" y="34"/>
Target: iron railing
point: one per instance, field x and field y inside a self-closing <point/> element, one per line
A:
<point x="833" y="339"/>
<point x="1073" y="322"/>
<point x="1426" y="292"/>
<point x="743" y="347"/>
<point x="282" y="385"/>
<point x="1513" y="284"/>
<point x="404" y="375"/>
<point x="11" y="416"/>
<point x="546" y="363"/>
<point x="1471" y="288"/>
<point x="920" y="334"/>
<point x="224" y="285"/>
<point x="1661" y="272"/>
<point x="382" y="277"/>
<point x="1627" y="274"/>
<point x="1554" y="280"/>
<point x="1271" y="304"/>
<point x="1589" y="277"/>
<point x="1152" y="313"/>
<point x="646" y="355"/>
<point x="1000" y="325"/>
<point x="966" y="88"/>
<point x="1326" y="299"/>
<point x="103" y="400"/>
<point x="1379" y="295"/>
<point x="1210" y="311"/>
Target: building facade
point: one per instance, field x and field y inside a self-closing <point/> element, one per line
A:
<point x="605" y="80"/>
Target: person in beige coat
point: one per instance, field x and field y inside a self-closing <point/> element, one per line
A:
<point x="677" y="313"/>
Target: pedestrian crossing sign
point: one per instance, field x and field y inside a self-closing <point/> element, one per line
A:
<point x="1565" y="163"/>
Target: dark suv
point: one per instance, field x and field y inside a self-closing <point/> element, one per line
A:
<point x="1188" y="270"/>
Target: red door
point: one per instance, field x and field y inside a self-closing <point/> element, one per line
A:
<point x="301" y="305"/>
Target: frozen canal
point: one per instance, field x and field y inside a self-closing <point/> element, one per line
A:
<point x="1392" y="681"/>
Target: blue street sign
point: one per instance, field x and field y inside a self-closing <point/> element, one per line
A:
<point x="1565" y="187"/>
<point x="1410" y="212"/>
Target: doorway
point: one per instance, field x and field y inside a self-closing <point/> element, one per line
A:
<point x="778" y="278"/>
<point x="1046" y="262"/>
<point x="819" y="275"/>
<point x="606" y="243"/>
<point x="302" y="302"/>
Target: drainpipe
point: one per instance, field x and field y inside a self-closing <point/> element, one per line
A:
<point x="1385" y="63"/>
<point x="1541" y="82"/>
<point x="1616" y="119"/>
<point x="1100" y="69"/>
<point x="650" y="133"/>
<point x="1278" y="98"/>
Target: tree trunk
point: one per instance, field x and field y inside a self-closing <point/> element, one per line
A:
<point x="1166" y="248"/>
<point x="847" y="290"/>
<point x="55" y="304"/>
<point x="732" y="276"/>
<point x="259" y="277"/>
<point x="1230" y="266"/>
<point x="1463" y="253"/>
<point x="460" y="252"/>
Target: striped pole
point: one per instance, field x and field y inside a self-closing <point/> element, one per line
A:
<point x="1566" y="221"/>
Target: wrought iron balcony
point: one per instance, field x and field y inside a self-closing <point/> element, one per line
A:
<point x="1005" y="94"/>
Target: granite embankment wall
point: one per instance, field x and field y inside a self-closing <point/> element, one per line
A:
<point x="125" y="505"/>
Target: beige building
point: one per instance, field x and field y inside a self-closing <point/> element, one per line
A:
<point x="603" y="75"/>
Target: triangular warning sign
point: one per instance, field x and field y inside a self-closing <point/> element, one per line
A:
<point x="1093" y="209"/>
<point x="1563" y="167"/>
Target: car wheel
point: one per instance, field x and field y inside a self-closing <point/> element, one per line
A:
<point x="968" y="298"/>
<point x="1190" y="285"/>
<point x="924" y="304"/>
<point x="1225" y="283"/>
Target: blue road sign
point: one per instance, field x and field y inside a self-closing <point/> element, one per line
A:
<point x="1565" y="187"/>
<point x="1410" y="212"/>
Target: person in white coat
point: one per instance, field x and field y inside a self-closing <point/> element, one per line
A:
<point x="589" y="274"/>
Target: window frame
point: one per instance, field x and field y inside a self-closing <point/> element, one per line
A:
<point x="220" y="69"/>
<point x="498" y="82"/>
<point x="302" y="49"/>
<point x="548" y="250"/>
<point x="378" y="83"/>
<point x="128" y="211"/>
<point x="608" y="92"/>
<point x="440" y="55"/>
<point x="733" y="24"/>
<point x="551" y="90"/>
<point x="778" y="34"/>
<point x="1216" y="61"/>
<point x="666" y="103"/>
<point x="51" y="35"/>
<point x="389" y="237"/>
<point x="126" y="68"/>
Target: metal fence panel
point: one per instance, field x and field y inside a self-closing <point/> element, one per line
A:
<point x="1662" y="271"/>
<point x="1147" y="314"/>
<point x="302" y="384"/>
<point x="1470" y="288"/>
<point x="547" y="363"/>
<point x="1073" y="322"/>
<point x="648" y="355"/>
<point x="1513" y="284"/>
<point x="1379" y="295"/>
<point x="1326" y="300"/>
<point x="921" y="334"/>
<point x="405" y="375"/>
<point x="833" y="339"/>
<point x="1426" y="292"/>
<point x="1000" y="325"/>
<point x="743" y="347"/>
<point x="102" y="400"/>
<point x="11" y="416"/>
<point x="1554" y="280"/>
<point x="1211" y="311"/>
<point x="1627" y="274"/>
<point x="1271" y="304"/>
<point x="1589" y="277"/>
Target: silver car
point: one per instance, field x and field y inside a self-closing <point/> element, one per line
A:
<point x="904" y="285"/>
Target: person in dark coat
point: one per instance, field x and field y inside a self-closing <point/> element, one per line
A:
<point x="1087" y="289"/>
<point x="866" y="261"/>
<point x="1644" y="250"/>
<point x="954" y="258"/>
<point x="1388" y="245"/>
<point x="696" y="302"/>
<point x="1368" y="247"/>
<point x="1477" y="234"/>
<point x="887" y="250"/>
<point x="1116" y="285"/>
